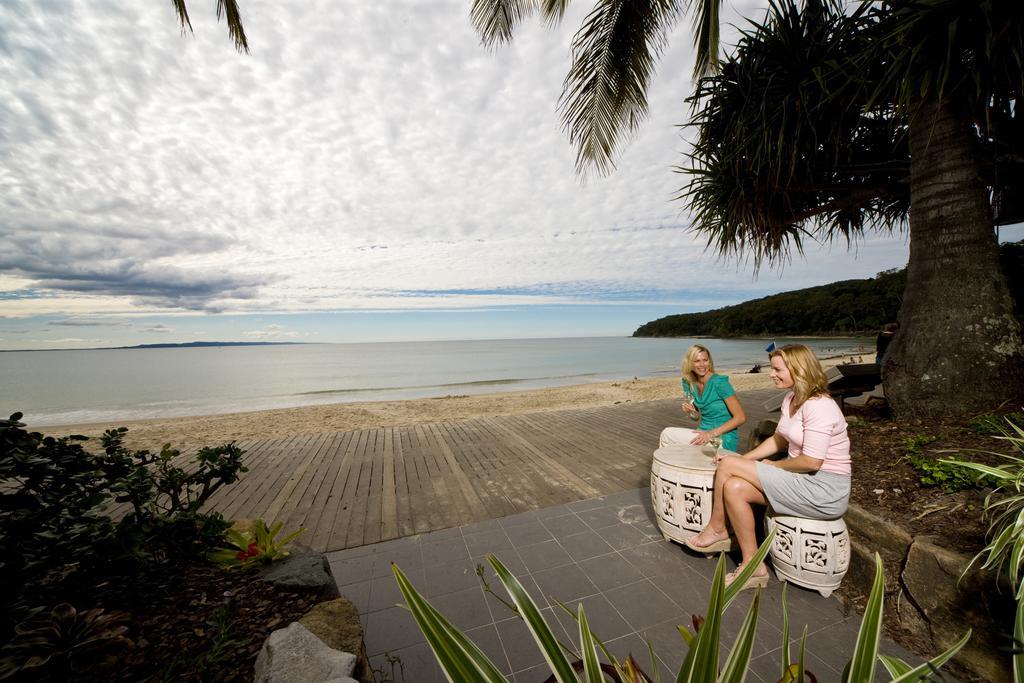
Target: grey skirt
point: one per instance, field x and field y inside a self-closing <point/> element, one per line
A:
<point x="813" y="495"/>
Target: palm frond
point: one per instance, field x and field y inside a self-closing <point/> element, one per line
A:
<point x="706" y="37"/>
<point x="605" y="92"/>
<point x="236" y="31"/>
<point x="182" y="11"/>
<point x="495" y="20"/>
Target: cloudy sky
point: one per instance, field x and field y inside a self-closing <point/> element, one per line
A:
<point x="368" y="172"/>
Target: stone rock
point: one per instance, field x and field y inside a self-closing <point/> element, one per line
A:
<point x="305" y="571"/>
<point x="951" y="605"/>
<point x="294" y="655"/>
<point x="882" y="535"/>
<point x="336" y="622"/>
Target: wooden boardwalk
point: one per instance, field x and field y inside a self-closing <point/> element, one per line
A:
<point x="352" y="488"/>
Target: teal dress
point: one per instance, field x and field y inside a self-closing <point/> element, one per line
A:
<point x="713" y="411"/>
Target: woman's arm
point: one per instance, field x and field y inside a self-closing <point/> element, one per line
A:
<point x="738" y="418"/>
<point x="801" y="463"/>
<point x="767" y="448"/>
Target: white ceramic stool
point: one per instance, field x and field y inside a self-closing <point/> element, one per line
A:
<point x="682" y="482"/>
<point x="811" y="553"/>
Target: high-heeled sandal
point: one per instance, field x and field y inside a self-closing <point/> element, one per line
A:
<point x="755" y="581"/>
<point x="722" y="545"/>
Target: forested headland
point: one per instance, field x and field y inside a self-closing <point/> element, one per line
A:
<point x="844" y="308"/>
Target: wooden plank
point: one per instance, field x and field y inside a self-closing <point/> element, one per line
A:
<point x="423" y="512"/>
<point x="478" y="469"/>
<point x="328" y="497"/>
<point x="404" y="513"/>
<point x="389" y="497"/>
<point x="305" y="495"/>
<point x="353" y="502"/>
<point x="286" y="461"/>
<point x="475" y="509"/>
<point x="451" y="508"/>
<point x="290" y="494"/>
<point x="262" y="473"/>
<point x="375" y="495"/>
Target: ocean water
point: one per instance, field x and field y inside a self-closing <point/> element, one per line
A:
<point x="100" y="385"/>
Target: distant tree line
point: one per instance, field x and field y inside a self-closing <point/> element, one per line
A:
<point x="841" y="308"/>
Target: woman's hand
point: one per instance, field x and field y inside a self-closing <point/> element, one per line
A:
<point x="689" y="409"/>
<point x="701" y="438"/>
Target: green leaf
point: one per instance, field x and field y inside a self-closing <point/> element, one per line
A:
<point x="736" y="586"/>
<point x="926" y="668"/>
<point x="460" y="659"/>
<point x="542" y="635"/>
<point x="588" y="651"/>
<point x="865" y="652"/>
<point x="739" y="659"/>
<point x="701" y="663"/>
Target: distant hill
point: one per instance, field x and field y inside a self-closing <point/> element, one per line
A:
<point x="186" y="345"/>
<point x="841" y="308"/>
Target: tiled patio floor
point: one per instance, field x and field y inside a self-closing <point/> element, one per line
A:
<point x="606" y="553"/>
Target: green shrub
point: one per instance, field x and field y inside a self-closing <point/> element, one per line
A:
<point x="53" y="494"/>
<point x="913" y="444"/>
<point x="991" y="424"/>
<point x="949" y="477"/>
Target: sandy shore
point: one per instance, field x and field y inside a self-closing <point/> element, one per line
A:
<point x="211" y="430"/>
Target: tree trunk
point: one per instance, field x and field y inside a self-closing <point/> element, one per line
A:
<point x="958" y="349"/>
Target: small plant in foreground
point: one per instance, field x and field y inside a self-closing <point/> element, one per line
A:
<point x="463" y="662"/>
<point x="991" y="424"/>
<point x="1005" y="551"/>
<point x="948" y="476"/>
<point x="913" y="444"/>
<point x="257" y="546"/>
<point x="64" y="644"/>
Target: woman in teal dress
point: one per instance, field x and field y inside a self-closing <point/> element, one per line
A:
<point x="709" y="398"/>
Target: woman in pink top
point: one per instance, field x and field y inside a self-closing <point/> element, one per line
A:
<point x="813" y="482"/>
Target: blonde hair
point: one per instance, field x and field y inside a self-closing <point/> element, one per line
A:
<point x="808" y="377"/>
<point x="688" y="360"/>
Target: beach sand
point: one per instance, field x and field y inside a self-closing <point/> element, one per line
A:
<point x="213" y="430"/>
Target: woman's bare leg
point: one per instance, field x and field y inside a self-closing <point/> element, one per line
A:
<point x="740" y="498"/>
<point x="728" y="468"/>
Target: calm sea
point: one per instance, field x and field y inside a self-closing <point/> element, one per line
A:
<point x="101" y="385"/>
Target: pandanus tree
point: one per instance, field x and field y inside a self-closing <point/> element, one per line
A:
<point x="827" y="121"/>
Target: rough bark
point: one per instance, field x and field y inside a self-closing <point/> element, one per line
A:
<point x="958" y="349"/>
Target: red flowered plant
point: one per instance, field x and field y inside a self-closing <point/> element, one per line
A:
<point x="252" y="547"/>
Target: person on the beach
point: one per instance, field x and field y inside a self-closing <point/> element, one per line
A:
<point x="883" y="340"/>
<point x="813" y="482"/>
<point x="710" y="398"/>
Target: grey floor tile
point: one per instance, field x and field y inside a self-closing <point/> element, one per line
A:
<point x="502" y="609"/>
<point x="537" y="672"/>
<point x="408" y="558"/>
<point x="528" y="533"/>
<point x="634" y="514"/>
<point x="622" y="536"/>
<point x="510" y="558"/>
<point x="517" y="519"/>
<point x="599" y="518"/>
<point x="546" y="555"/>
<point x="642" y="604"/>
<point x="654" y="559"/>
<point x="544" y="514"/>
<point x="565" y="525"/>
<point x="520" y="647"/>
<point x="466" y="608"/>
<point x="349" y="553"/>
<point x="610" y="571"/>
<point x="445" y="551"/>
<point x="352" y="569"/>
<point x="384" y="593"/>
<point x="604" y="620"/>
<point x="478" y="527"/>
<point x="585" y="546"/>
<point x="489" y="541"/>
<point x="486" y="638"/>
<point x="564" y="584"/>
<point x="590" y="504"/>
<point x="687" y="589"/>
<point x="448" y="578"/>
<point x="389" y="630"/>
<point x="414" y="664"/>
<point x="668" y="644"/>
<point x="358" y="594"/>
<point x="441" y="535"/>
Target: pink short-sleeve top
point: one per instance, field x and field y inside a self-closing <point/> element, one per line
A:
<point x="818" y="429"/>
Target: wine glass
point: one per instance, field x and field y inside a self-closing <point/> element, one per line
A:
<point x="716" y="444"/>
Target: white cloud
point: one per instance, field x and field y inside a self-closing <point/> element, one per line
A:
<point x="363" y="156"/>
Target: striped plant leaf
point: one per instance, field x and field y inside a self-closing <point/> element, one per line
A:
<point x="734" y="588"/>
<point x="542" y="635"/>
<point x="701" y="663"/>
<point x="588" y="651"/>
<point x="903" y="673"/>
<point x="861" y="668"/>
<point x="460" y="659"/>
<point x="735" y="670"/>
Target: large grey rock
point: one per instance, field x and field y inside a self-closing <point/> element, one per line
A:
<point x="305" y="571"/>
<point x="294" y="655"/>
<point x="336" y="622"/>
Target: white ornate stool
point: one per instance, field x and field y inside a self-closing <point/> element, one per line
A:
<point x="811" y="553"/>
<point x="682" y="481"/>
